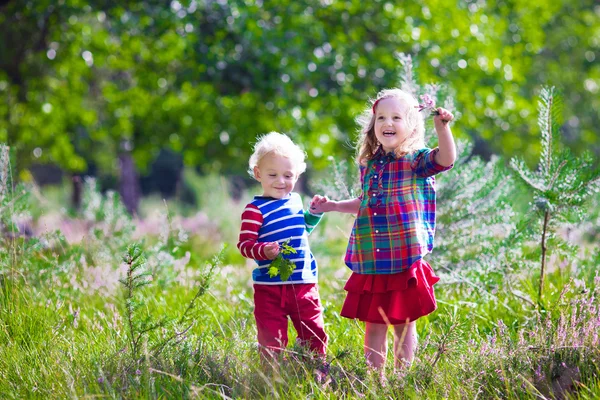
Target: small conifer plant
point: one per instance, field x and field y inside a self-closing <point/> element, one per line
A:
<point x="561" y="184"/>
<point x="140" y="322"/>
<point x="136" y="279"/>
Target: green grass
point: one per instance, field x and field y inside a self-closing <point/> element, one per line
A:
<point x="60" y="343"/>
<point x="64" y="330"/>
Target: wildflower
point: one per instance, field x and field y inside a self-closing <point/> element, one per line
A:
<point x="500" y="375"/>
<point x="539" y="375"/>
<point x="138" y="372"/>
<point x="428" y="104"/>
<point x="101" y="380"/>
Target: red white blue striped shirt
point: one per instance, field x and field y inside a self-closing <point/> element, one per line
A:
<point x="267" y="219"/>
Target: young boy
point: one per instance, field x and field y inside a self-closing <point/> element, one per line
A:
<point x="276" y="217"/>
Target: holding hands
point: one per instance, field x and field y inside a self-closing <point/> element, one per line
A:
<point x="321" y="204"/>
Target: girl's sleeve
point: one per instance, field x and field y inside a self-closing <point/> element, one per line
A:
<point x="311" y="220"/>
<point x="248" y="245"/>
<point x="425" y="165"/>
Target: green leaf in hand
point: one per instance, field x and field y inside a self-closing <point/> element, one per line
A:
<point x="283" y="267"/>
<point x="274" y="267"/>
<point x="286" y="248"/>
<point x="286" y="269"/>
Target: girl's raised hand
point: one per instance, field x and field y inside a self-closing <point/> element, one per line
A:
<point x="272" y="250"/>
<point x="442" y="118"/>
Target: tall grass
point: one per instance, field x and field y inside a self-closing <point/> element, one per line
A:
<point x="66" y="328"/>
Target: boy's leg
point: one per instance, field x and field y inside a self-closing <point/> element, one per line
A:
<point x="306" y="312"/>
<point x="375" y="344"/>
<point x="271" y="319"/>
<point x="405" y="343"/>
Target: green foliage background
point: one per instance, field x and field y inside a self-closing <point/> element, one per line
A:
<point x="83" y="80"/>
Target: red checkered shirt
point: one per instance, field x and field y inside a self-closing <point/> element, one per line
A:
<point x="395" y="225"/>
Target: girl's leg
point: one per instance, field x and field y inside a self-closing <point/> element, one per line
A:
<point x="376" y="344"/>
<point x="405" y="343"/>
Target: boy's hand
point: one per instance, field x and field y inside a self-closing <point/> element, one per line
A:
<point x="320" y="204"/>
<point x="442" y="118"/>
<point x="272" y="250"/>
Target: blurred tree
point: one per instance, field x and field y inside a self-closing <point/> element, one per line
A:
<point x="94" y="82"/>
<point x="308" y="67"/>
<point x="81" y="85"/>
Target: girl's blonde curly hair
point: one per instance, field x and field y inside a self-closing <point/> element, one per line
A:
<point x="367" y="143"/>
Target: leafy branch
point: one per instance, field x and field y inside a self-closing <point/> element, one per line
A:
<point x="282" y="266"/>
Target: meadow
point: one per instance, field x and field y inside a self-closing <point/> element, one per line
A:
<point x="96" y="304"/>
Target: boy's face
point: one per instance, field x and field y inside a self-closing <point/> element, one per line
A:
<point x="276" y="174"/>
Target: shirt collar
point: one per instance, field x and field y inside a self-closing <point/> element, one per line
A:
<point x="258" y="197"/>
<point x="381" y="155"/>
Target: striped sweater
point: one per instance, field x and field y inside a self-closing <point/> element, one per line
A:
<point x="267" y="219"/>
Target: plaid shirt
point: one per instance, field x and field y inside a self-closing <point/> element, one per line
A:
<point x="396" y="219"/>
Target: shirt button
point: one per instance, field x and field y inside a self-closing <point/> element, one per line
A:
<point x="374" y="194"/>
<point x="381" y="162"/>
<point x="376" y="230"/>
<point x="375" y="176"/>
<point x="378" y="250"/>
<point x="374" y="213"/>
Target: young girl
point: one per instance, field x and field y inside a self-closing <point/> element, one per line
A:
<point x="391" y="284"/>
<point x="273" y="218"/>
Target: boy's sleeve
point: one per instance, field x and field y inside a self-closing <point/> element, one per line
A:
<point x="248" y="244"/>
<point x="311" y="220"/>
<point x="425" y="165"/>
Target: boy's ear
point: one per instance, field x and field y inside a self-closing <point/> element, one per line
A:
<point x="256" y="173"/>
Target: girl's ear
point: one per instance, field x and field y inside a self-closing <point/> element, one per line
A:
<point x="256" y="173"/>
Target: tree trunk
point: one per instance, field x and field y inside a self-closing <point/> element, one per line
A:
<point x="77" y="192"/>
<point x="129" y="185"/>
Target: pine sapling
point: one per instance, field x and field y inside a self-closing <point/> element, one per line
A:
<point x="562" y="182"/>
<point x="136" y="279"/>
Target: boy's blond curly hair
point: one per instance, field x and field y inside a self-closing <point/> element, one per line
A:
<point x="278" y="143"/>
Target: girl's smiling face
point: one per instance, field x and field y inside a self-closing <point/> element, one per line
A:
<point x="277" y="175"/>
<point x="390" y="125"/>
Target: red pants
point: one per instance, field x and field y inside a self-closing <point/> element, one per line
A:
<point x="272" y="306"/>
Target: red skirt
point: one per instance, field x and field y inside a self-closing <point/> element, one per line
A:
<point x="393" y="298"/>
